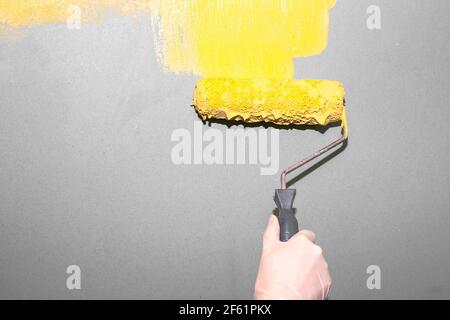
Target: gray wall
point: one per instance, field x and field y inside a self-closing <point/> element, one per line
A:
<point x="86" y="174"/>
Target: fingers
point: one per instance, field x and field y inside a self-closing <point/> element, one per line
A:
<point x="272" y="233"/>
<point x="311" y="236"/>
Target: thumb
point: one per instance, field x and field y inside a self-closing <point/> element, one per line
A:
<point x="272" y="233"/>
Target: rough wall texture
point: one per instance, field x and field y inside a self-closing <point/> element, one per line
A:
<point x="87" y="178"/>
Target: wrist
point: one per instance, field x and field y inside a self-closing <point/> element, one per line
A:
<point x="277" y="291"/>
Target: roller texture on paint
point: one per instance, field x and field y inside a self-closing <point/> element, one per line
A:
<point x="282" y="102"/>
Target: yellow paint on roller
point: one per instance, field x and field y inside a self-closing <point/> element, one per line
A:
<point x="282" y="102"/>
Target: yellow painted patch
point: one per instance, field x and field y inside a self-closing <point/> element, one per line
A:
<point x="214" y="38"/>
<point x="242" y="38"/>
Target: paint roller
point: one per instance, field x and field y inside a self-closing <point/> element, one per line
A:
<point x="280" y="102"/>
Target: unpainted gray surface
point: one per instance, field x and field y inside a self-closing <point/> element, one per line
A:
<point x="86" y="176"/>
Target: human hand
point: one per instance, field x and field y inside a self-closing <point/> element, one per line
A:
<point x="291" y="270"/>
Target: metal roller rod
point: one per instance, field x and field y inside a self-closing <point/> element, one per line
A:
<point x="318" y="153"/>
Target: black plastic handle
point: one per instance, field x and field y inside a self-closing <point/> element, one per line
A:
<point x="284" y="199"/>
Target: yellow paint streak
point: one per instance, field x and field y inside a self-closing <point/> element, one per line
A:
<point x="26" y="13"/>
<point x="242" y="38"/>
<point x="214" y="38"/>
<point x="282" y="102"/>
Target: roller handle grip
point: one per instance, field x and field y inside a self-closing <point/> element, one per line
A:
<point x="288" y="224"/>
<point x="284" y="199"/>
